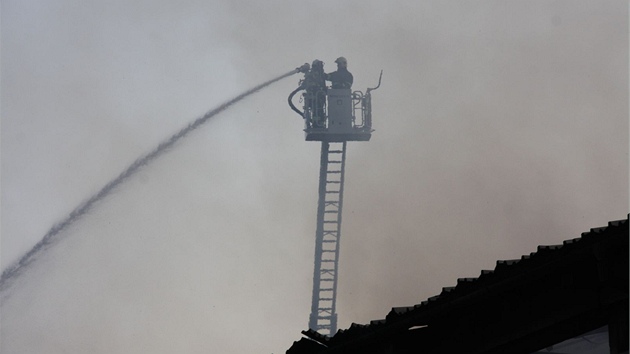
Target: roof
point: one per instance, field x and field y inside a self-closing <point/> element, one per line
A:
<point x="578" y="280"/>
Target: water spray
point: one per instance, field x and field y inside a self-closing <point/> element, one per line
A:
<point x="15" y="269"/>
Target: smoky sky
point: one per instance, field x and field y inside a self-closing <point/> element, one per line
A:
<point x="499" y="126"/>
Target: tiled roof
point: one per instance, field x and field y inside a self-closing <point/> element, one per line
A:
<point x="400" y="317"/>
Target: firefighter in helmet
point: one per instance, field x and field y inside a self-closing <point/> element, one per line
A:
<point x="315" y="86"/>
<point x="342" y="78"/>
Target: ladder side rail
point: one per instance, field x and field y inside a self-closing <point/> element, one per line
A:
<point x="319" y="236"/>
<point x="342" y="168"/>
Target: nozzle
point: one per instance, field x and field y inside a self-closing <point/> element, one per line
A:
<point x="304" y="68"/>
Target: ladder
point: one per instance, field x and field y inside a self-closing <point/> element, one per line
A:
<point x="323" y="318"/>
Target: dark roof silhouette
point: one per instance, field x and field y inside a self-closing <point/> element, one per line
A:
<point x="522" y="305"/>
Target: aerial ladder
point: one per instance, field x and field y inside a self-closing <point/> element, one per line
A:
<point x="334" y="117"/>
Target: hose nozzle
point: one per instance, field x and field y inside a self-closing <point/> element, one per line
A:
<point x="304" y="68"/>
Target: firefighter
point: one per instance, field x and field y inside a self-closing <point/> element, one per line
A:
<point x="315" y="86"/>
<point x="342" y="78"/>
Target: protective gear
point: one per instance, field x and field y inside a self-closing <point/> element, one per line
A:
<point x="342" y="61"/>
<point x="315" y="78"/>
<point x="315" y="85"/>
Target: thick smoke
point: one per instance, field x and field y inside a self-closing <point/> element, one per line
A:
<point x="499" y="127"/>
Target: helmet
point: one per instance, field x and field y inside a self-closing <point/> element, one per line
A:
<point x="318" y="63"/>
<point x="341" y="60"/>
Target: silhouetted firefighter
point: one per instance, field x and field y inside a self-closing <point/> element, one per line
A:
<point x="342" y="78"/>
<point x="315" y="86"/>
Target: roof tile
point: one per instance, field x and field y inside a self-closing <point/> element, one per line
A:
<point x="504" y="266"/>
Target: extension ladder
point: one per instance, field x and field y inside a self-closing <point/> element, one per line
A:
<point x="323" y="318"/>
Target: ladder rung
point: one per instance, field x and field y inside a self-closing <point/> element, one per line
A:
<point x="326" y="289"/>
<point x="333" y="181"/>
<point x="331" y="212"/>
<point x="335" y="151"/>
<point x="326" y="299"/>
<point x="332" y="192"/>
<point x="335" y="171"/>
<point x="329" y="241"/>
<point x="334" y="161"/>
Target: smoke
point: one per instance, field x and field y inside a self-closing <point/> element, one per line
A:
<point x="499" y="127"/>
<point x="30" y="256"/>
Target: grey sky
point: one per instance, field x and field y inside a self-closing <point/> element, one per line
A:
<point x="499" y="126"/>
